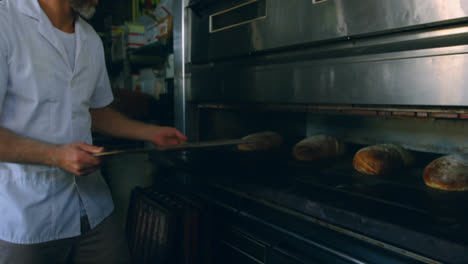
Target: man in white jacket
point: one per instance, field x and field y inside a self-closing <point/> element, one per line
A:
<point x="55" y="206"/>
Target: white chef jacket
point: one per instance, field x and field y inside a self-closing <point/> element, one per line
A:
<point x="42" y="98"/>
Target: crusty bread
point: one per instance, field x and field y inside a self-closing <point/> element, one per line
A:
<point x="448" y="173"/>
<point x="262" y="141"/>
<point x="317" y="147"/>
<point x="382" y="159"/>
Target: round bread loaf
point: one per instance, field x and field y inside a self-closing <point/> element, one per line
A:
<point x="382" y="159"/>
<point x="448" y="173"/>
<point x="317" y="147"/>
<point x="261" y="141"/>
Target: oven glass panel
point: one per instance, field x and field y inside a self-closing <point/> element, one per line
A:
<point x="238" y="15"/>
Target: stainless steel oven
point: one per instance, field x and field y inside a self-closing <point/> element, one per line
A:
<point x="367" y="72"/>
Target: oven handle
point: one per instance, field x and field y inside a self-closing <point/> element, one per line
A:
<point x="196" y="6"/>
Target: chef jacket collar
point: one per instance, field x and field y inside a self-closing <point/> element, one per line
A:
<point x="32" y="9"/>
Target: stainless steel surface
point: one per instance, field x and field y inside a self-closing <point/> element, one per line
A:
<point x="437" y="136"/>
<point x="180" y="17"/>
<point x="341" y="109"/>
<point x="295" y="22"/>
<point x="428" y="67"/>
<point x="317" y="221"/>
<point x="398" y="54"/>
<point x="403" y="54"/>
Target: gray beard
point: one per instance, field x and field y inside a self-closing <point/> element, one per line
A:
<point x="83" y="8"/>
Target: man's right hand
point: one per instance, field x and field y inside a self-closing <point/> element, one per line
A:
<point x="78" y="158"/>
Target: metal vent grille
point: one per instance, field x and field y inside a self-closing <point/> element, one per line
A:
<point x="162" y="228"/>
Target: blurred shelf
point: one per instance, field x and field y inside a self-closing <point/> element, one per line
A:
<point x="145" y="60"/>
<point x="160" y="48"/>
<point x="150" y="55"/>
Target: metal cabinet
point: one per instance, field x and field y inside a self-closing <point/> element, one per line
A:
<point x="240" y="240"/>
<point x="254" y="233"/>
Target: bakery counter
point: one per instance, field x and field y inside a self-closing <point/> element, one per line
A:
<point x="375" y="217"/>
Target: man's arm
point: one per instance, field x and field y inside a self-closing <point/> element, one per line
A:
<point x="76" y="158"/>
<point x="110" y="122"/>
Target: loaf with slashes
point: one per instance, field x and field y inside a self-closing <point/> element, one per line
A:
<point x="382" y="159"/>
<point x="449" y="173"/>
<point x="318" y="147"/>
<point x="261" y="141"/>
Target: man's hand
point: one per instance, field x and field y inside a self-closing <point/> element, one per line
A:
<point x="166" y="136"/>
<point x="78" y="158"/>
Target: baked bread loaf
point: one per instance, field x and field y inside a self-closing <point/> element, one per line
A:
<point x="382" y="159"/>
<point x="317" y="147"/>
<point x="448" y="173"/>
<point x="261" y="141"/>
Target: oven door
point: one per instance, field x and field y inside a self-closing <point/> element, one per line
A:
<point x="241" y="27"/>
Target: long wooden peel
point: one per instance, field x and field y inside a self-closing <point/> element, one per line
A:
<point x="202" y="144"/>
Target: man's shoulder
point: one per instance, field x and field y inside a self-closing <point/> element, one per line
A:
<point x="5" y="4"/>
<point x="6" y="23"/>
<point x="6" y="8"/>
<point x="91" y="34"/>
<point x="89" y="30"/>
<point x="10" y="4"/>
<point x="6" y="12"/>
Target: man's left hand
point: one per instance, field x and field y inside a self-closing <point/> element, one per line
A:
<point x="166" y="136"/>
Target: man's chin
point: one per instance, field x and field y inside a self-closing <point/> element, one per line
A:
<point x="86" y="9"/>
<point x="88" y="13"/>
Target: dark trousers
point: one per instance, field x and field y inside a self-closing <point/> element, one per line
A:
<point x="105" y="243"/>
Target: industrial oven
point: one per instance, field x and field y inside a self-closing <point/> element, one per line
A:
<point x="365" y="71"/>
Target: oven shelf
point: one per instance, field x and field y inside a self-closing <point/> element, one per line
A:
<point x="397" y="211"/>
